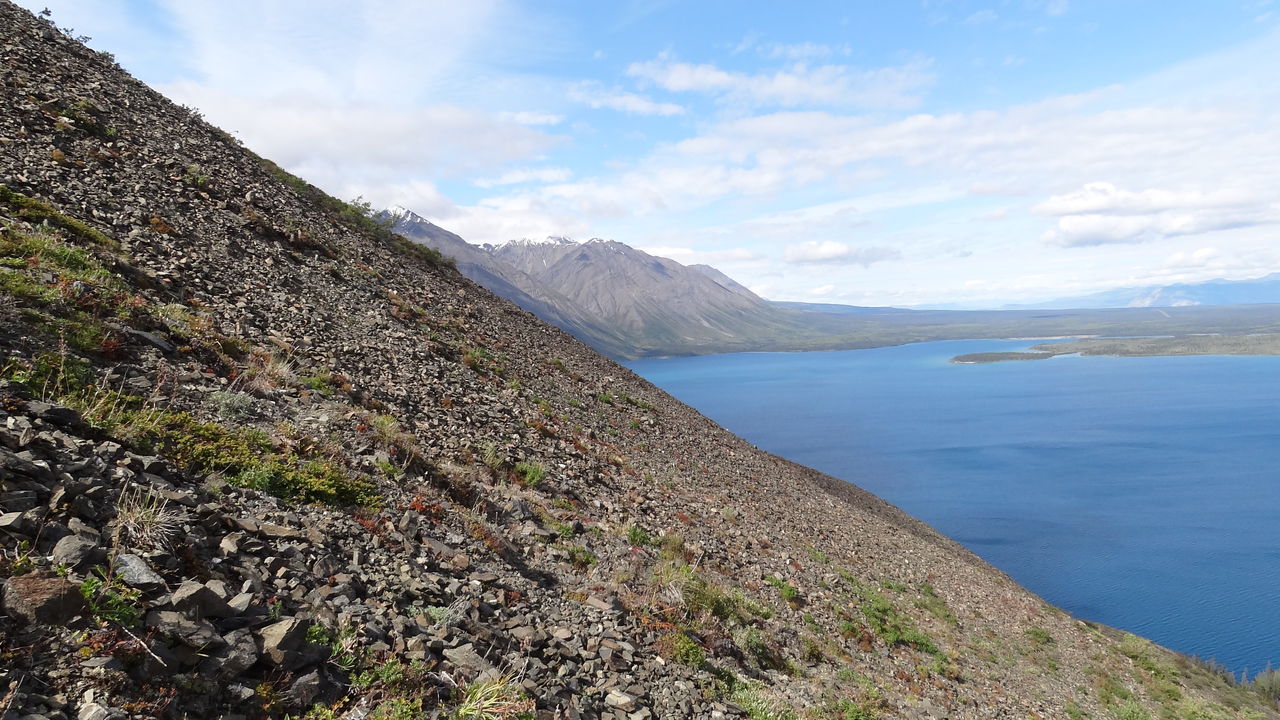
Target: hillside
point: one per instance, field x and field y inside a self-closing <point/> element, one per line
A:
<point x="260" y="457"/>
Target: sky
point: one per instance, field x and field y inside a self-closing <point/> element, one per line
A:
<point x="916" y="153"/>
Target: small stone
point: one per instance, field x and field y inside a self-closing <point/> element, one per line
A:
<point x="93" y="711"/>
<point x="198" y="601"/>
<point x="76" y="552"/>
<point x="466" y="656"/>
<point x="192" y="633"/>
<point x="16" y="523"/>
<point x="620" y="700"/>
<point x="303" y="691"/>
<point x="281" y="640"/>
<point x="135" y="572"/>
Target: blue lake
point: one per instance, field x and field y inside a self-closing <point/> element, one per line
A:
<point x="1137" y="492"/>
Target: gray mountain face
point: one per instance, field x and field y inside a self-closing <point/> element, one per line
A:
<point x="478" y="264"/>
<point x="620" y="300"/>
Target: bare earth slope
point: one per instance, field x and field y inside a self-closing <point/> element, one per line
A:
<point x="260" y="457"/>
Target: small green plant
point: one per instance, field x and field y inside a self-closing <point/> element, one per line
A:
<point x="637" y="536"/>
<point x="17" y="561"/>
<point x="320" y="383"/>
<point x="581" y="558"/>
<point x="1130" y="710"/>
<point x="489" y="455"/>
<point x="892" y="627"/>
<point x="682" y="649"/>
<point x="787" y="591"/>
<point x="109" y="599"/>
<point x="818" y="556"/>
<point x="935" y="605"/>
<point x="492" y="700"/>
<point x="531" y="473"/>
<point x="232" y="405"/>
<point x="750" y="697"/>
<point x="1040" y="636"/>
<point x="753" y="642"/>
<point x="389" y="469"/>
<point x="397" y="709"/>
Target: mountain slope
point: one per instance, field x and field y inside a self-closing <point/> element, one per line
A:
<point x="656" y="302"/>
<point x="507" y="281"/>
<point x="261" y="457"/>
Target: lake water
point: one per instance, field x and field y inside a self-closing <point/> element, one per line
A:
<point x="1142" y="493"/>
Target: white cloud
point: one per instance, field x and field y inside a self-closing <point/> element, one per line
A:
<point x="1106" y="198"/>
<point x="1101" y="213"/>
<point x="531" y="118"/>
<point x="796" y="85"/>
<point x="594" y="96"/>
<point x="802" y="51"/>
<point x="981" y="17"/>
<point x="331" y="141"/>
<point x="830" y="252"/>
<point x="822" y="290"/>
<point x="1199" y="258"/>
<point x="526" y="175"/>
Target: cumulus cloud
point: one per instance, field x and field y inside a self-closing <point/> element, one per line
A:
<point x="1101" y="213"/>
<point x="830" y="252"/>
<point x="595" y="96"/>
<point x="799" y="84"/>
<point x="1106" y="198"/>
<point x="338" y="139"/>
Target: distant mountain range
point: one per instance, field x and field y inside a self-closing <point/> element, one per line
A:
<point x="627" y="303"/>
<point x="1261" y="290"/>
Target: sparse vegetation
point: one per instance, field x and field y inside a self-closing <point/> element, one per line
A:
<point x="530" y="473"/>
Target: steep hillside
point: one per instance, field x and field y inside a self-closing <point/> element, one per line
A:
<point x="260" y="457"/>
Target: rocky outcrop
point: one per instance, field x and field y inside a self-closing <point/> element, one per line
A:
<point x="291" y="463"/>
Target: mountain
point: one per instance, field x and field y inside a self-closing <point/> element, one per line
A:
<point x="658" y="303"/>
<point x="620" y="300"/>
<point x="261" y="457"/>
<point x="1261" y="290"/>
<point x="479" y="265"/>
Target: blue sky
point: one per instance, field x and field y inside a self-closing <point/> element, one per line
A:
<point x="887" y="153"/>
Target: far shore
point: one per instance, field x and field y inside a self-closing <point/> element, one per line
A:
<point x="1252" y="344"/>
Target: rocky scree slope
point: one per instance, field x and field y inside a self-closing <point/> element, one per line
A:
<point x="260" y="457"/>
